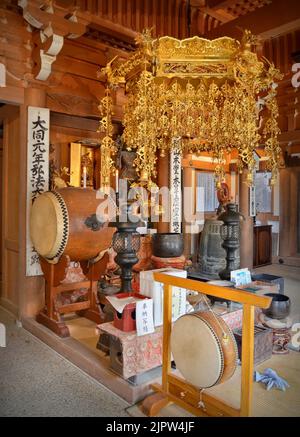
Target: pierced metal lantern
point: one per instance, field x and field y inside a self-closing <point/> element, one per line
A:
<point x="126" y="243"/>
<point x="230" y="234"/>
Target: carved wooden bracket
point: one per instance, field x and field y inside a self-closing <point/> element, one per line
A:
<point x="53" y="24"/>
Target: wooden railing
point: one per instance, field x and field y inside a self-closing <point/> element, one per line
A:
<point x="172" y="386"/>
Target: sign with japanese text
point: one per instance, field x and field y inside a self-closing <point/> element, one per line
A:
<point x="37" y="173"/>
<point x="144" y="317"/>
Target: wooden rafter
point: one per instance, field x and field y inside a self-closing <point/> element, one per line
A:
<point x="268" y="21"/>
<point x="51" y="27"/>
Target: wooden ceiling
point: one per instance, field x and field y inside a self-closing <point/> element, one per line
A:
<point x="116" y="22"/>
<point x="178" y="18"/>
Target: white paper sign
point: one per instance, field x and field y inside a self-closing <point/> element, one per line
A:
<point x="153" y="289"/>
<point x="144" y="317"/>
<point x="2" y="335"/>
<point x="178" y="303"/>
<point x="240" y="277"/>
<point x="37" y="174"/>
<point x="252" y="201"/>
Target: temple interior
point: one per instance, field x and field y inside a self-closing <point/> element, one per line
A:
<point x="150" y="208"/>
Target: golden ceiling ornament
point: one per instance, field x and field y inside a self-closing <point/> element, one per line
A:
<point x="197" y="94"/>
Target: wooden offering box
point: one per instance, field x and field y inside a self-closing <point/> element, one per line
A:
<point x="126" y="321"/>
<point x="263" y="343"/>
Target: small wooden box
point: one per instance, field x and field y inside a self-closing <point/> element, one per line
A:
<point x="126" y="321"/>
<point x="263" y="343"/>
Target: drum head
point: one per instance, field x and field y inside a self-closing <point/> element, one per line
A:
<point x="45" y="224"/>
<point x="197" y="351"/>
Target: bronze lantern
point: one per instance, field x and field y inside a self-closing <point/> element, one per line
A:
<point x="230" y="234"/>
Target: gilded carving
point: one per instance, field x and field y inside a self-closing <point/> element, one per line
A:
<point x="202" y="95"/>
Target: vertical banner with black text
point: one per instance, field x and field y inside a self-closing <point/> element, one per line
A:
<point x="37" y="174"/>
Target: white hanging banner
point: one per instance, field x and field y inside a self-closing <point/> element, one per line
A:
<point x="37" y="174"/>
<point x="252" y="201"/>
<point x="176" y="193"/>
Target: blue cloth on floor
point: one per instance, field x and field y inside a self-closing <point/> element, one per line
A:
<point x="271" y="379"/>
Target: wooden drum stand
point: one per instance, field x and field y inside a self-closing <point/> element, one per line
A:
<point x="176" y="389"/>
<point x="58" y="280"/>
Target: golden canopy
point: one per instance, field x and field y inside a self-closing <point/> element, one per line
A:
<point x="193" y="95"/>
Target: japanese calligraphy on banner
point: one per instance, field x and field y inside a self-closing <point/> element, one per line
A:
<point x="175" y="186"/>
<point x="144" y="317"/>
<point x="37" y="174"/>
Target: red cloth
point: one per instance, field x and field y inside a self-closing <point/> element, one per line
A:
<point x="144" y="353"/>
<point x="176" y="263"/>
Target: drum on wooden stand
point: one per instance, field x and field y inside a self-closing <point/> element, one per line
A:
<point x="64" y="222"/>
<point x="204" y="349"/>
<point x="72" y="239"/>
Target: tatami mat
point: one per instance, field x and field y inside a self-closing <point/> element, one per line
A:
<point x="265" y="403"/>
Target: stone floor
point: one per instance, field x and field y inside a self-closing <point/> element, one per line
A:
<point x="36" y="381"/>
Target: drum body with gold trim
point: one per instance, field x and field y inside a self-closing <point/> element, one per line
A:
<point x="204" y="349"/>
<point x="61" y="224"/>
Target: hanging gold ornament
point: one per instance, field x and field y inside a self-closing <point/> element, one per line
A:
<point x="199" y="94"/>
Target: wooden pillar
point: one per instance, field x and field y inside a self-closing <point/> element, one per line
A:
<point x="246" y="245"/>
<point x="31" y="289"/>
<point x="163" y="176"/>
<point x="285" y="213"/>
<point x="247" y="360"/>
<point x="294" y="207"/>
<point x="194" y="15"/>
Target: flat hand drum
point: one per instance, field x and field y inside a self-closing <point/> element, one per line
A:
<point x="63" y="222"/>
<point x="204" y="349"/>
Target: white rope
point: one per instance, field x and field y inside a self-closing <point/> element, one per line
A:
<point x="205" y="299"/>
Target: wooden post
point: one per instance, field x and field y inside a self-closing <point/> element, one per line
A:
<point x="246" y="243"/>
<point x="247" y="360"/>
<point x="285" y="212"/>
<point x="167" y="326"/>
<point x="31" y="297"/>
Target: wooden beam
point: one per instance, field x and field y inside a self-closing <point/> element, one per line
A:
<point x="293" y="135"/>
<point x="110" y="28"/>
<point x="294" y="149"/>
<point x="76" y="67"/>
<point x="76" y="50"/>
<point x="41" y="19"/>
<point x="219" y="4"/>
<point x="167" y="327"/>
<point x="233" y="294"/>
<point x="201" y="165"/>
<point x="215" y="404"/>
<point x="221" y="15"/>
<point x="72" y="134"/>
<point x="74" y="122"/>
<point x="102" y="47"/>
<point x="12" y="95"/>
<point x="269" y="21"/>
